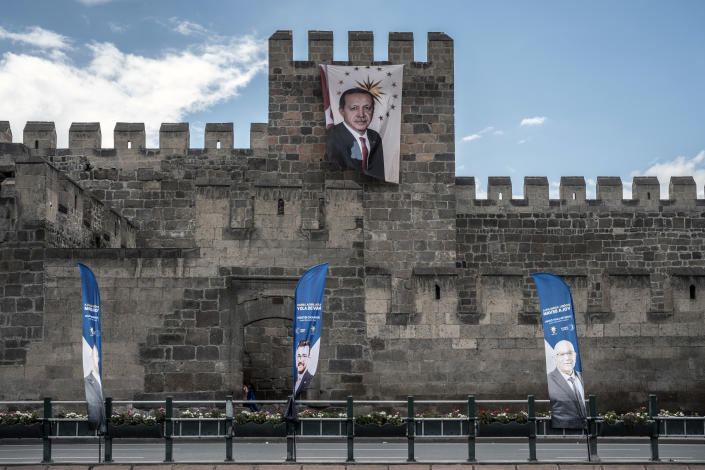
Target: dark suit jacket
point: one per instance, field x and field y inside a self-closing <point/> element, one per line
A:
<point x="339" y="144"/>
<point x="303" y="385"/>
<point x="94" y="403"/>
<point x="566" y="411"/>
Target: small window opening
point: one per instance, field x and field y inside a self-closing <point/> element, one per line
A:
<point x="648" y="195"/>
<point x="438" y="292"/>
<point x="75" y="201"/>
<point x="573" y="196"/>
<point x="499" y="196"/>
<point x="692" y="292"/>
<point x="280" y="207"/>
<point x="217" y="145"/>
<point x="129" y="144"/>
<point x="36" y="144"/>
<point x="597" y="286"/>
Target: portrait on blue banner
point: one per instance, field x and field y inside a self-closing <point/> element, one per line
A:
<point x="91" y="347"/>
<point x="308" y="309"/>
<point x="564" y="373"/>
<point x="363" y="118"/>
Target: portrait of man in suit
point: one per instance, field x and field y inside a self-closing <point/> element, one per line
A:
<point x="303" y="377"/>
<point x="565" y="389"/>
<point x="94" y="393"/>
<point x="351" y="143"/>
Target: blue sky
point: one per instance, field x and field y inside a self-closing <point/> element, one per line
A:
<point x="543" y="88"/>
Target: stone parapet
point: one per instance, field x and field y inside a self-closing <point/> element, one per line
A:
<point x="572" y="195"/>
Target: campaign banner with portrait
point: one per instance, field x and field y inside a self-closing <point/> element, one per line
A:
<point x="92" y="349"/>
<point x="308" y="308"/>
<point x="363" y="118"/>
<point x="564" y="371"/>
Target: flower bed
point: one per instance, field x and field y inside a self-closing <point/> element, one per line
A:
<point x="20" y="424"/>
<point x="72" y="424"/>
<point x="200" y="423"/>
<point x="671" y="425"/>
<point x="430" y="423"/>
<point x="131" y="423"/>
<point x="321" y="423"/>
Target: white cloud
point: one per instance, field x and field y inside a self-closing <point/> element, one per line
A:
<point x="590" y="188"/>
<point x="118" y="86"/>
<point x="38" y="37"/>
<point x="522" y="141"/>
<point x="498" y="132"/>
<point x="187" y="28"/>
<point x="478" y="135"/>
<point x="554" y="190"/>
<point x="118" y="28"/>
<point x="627" y="189"/>
<point x="534" y="121"/>
<point x="679" y="166"/>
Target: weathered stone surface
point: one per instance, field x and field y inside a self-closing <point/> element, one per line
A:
<point x="197" y="253"/>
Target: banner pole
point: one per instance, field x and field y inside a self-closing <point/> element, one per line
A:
<point x="532" y="428"/>
<point x="592" y="430"/>
<point x="653" y="417"/>
<point x="46" y="431"/>
<point x="349" y="428"/>
<point x="291" y="433"/>
<point x="410" y="428"/>
<point x="108" y="438"/>
<point x="471" y="428"/>
<point x="168" y="441"/>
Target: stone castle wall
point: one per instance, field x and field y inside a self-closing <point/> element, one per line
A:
<point x="428" y="291"/>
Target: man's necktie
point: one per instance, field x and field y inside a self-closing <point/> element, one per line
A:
<point x="581" y="403"/>
<point x="364" y="154"/>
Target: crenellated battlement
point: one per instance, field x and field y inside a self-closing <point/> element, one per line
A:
<point x="646" y="191"/>
<point x="174" y="138"/>
<point x="200" y="249"/>
<point x="360" y="50"/>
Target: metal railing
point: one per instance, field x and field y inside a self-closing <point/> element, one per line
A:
<point x="468" y="427"/>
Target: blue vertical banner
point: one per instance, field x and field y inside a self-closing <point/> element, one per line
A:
<point x="564" y="372"/>
<point x="91" y="347"/>
<point x="308" y="308"/>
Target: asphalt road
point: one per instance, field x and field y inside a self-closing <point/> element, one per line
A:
<point x="260" y="452"/>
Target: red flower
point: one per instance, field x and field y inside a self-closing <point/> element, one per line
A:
<point x="507" y="410"/>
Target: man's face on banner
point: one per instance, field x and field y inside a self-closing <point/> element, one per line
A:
<point x="358" y="110"/>
<point x="302" y="355"/>
<point x="95" y="358"/>
<point x="564" y="356"/>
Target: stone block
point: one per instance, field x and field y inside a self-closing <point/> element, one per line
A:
<point x="320" y="47"/>
<point x="39" y="135"/>
<point x="609" y="189"/>
<point x="5" y="132"/>
<point x="84" y="136"/>
<point x="219" y="136"/>
<point x="499" y="189"/>
<point x="360" y="47"/>
<point x="174" y="137"/>
<point x="129" y="135"/>
<point x="572" y="189"/>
